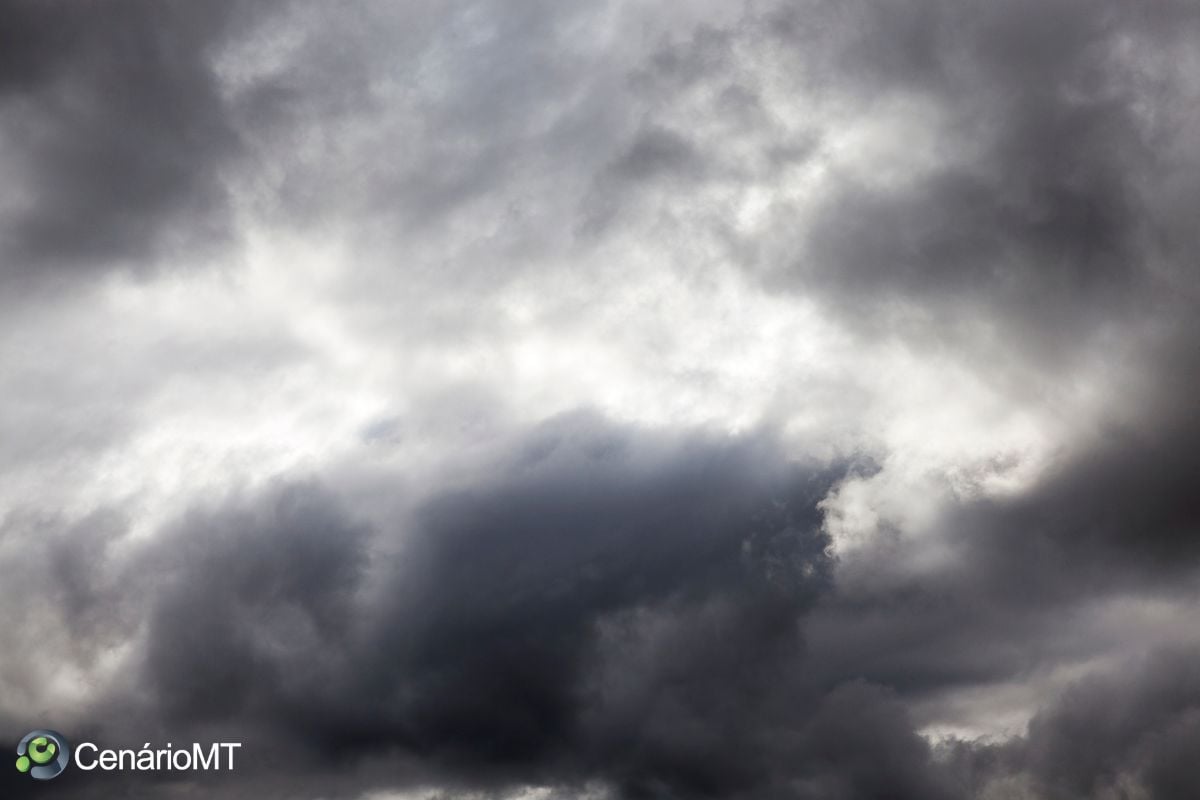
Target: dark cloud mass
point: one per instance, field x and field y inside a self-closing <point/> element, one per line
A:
<point x="1039" y="207"/>
<point x="619" y="610"/>
<point x="735" y="401"/>
<point x="1112" y="735"/>
<point x="615" y="610"/>
<point x="113" y="132"/>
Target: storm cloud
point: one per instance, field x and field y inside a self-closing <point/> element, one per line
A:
<point x="550" y="399"/>
<point x="115" y="135"/>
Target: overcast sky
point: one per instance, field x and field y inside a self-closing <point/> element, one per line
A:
<point x="613" y="400"/>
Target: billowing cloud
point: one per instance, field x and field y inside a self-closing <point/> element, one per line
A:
<point x="572" y="621"/>
<point x="763" y="400"/>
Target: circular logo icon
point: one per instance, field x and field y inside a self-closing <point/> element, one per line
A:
<point x="43" y="755"/>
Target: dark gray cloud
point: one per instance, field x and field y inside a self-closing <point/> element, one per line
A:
<point x="611" y="607"/>
<point x="1121" y="733"/>
<point x="651" y="613"/>
<point x="614" y="608"/>
<point x="115" y="135"/>
<point x="1043" y="218"/>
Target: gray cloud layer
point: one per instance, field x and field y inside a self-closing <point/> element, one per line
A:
<point x="115" y="134"/>
<point x="619" y="610"/>
<point x="481" y="595"/>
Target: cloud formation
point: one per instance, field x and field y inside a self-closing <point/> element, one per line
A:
<point x="116" y="135"/>
<point x="765" y="400"/>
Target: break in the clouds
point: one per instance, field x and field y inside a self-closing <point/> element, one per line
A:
<point x="604" y="400"/>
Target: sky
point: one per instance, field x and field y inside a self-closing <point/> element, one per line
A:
<point x="761" y="399"/>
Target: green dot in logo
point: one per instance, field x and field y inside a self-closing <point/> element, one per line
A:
<point x="23" y="764"/>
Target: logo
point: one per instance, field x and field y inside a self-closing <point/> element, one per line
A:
<point x="43" y="755"/>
